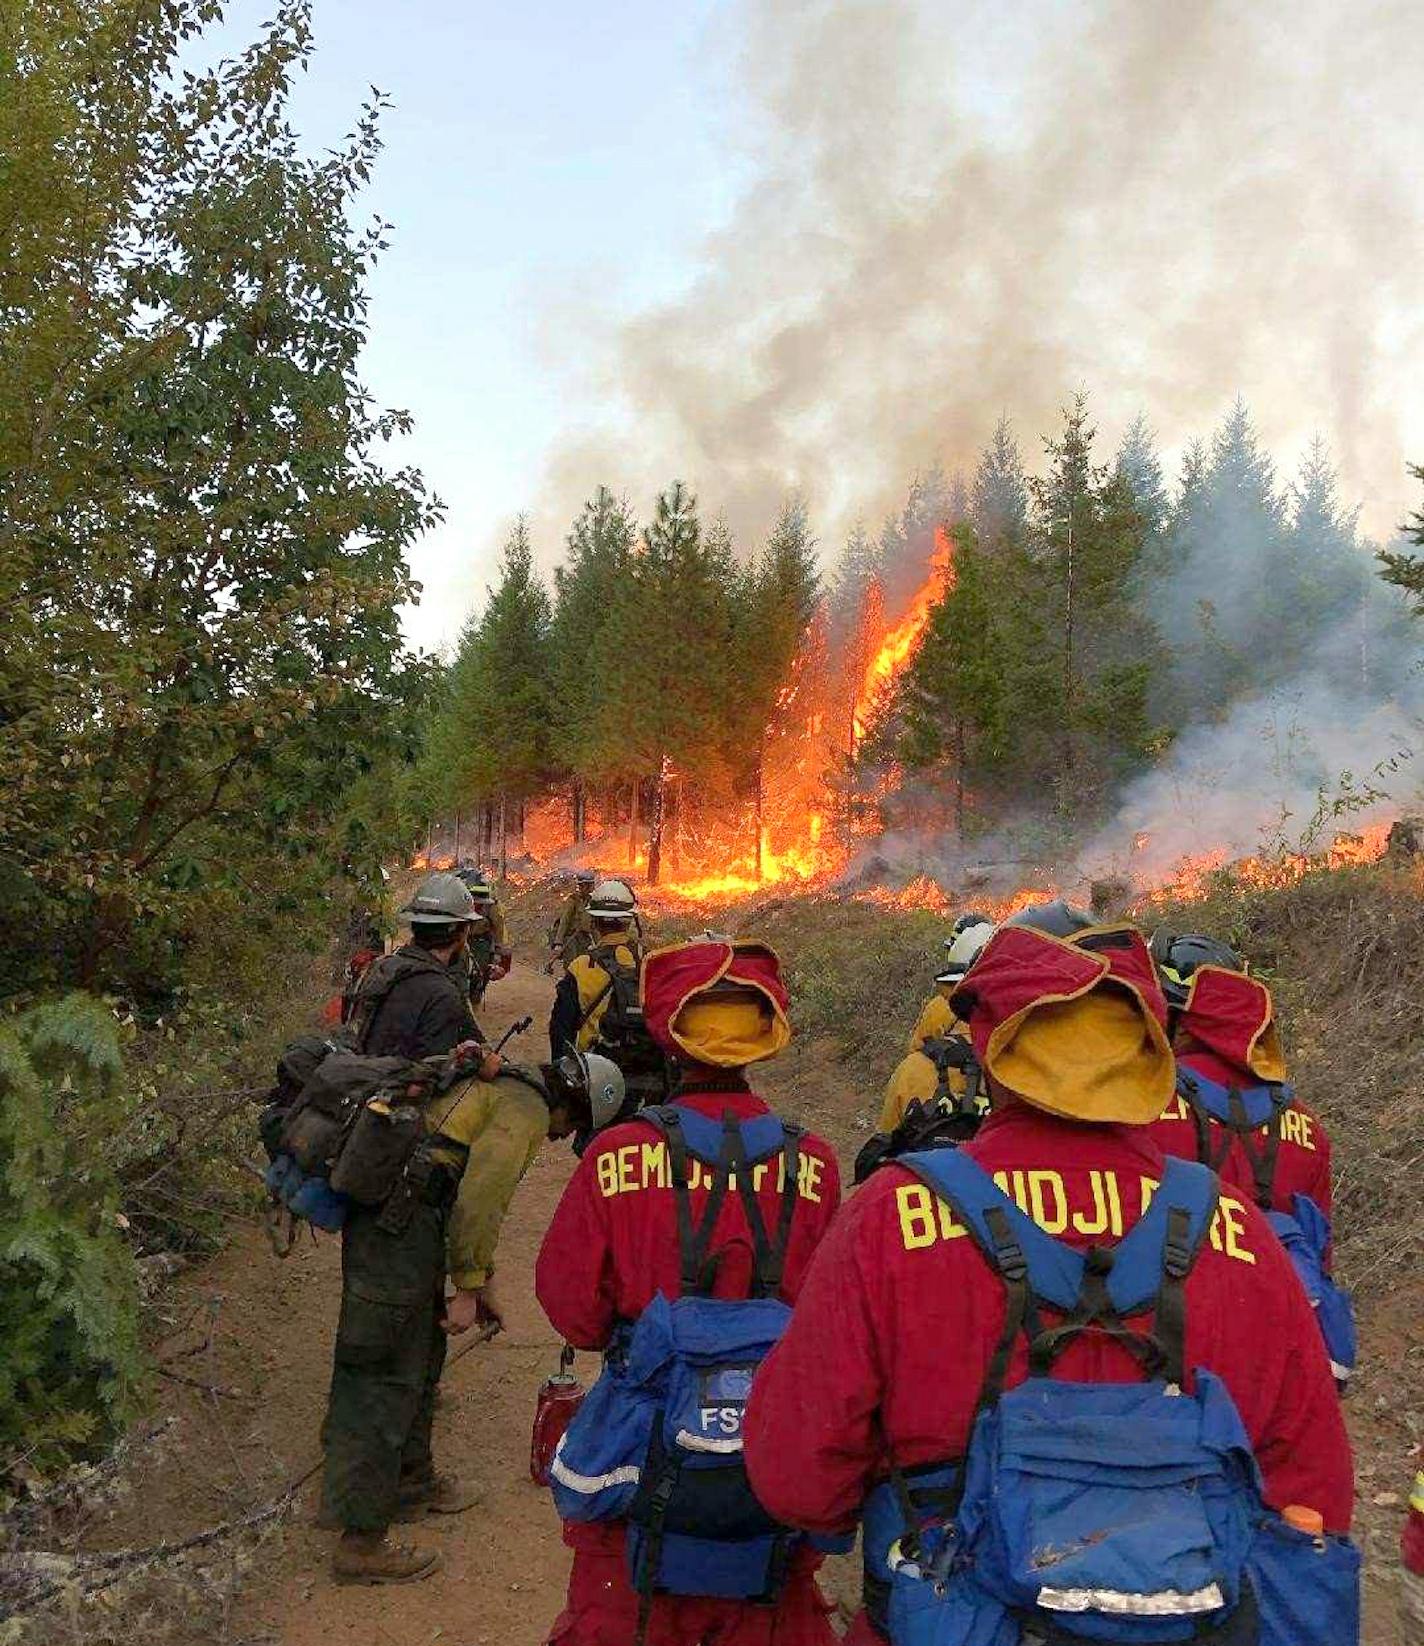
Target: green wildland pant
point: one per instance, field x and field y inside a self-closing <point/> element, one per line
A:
<point x="390" y="1350"/>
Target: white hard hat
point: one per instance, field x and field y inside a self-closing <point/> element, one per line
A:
<point x="962" y="950"/>
<point x="611" y="900"/>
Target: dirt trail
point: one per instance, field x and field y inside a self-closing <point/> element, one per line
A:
<point x="504" y="1563"/>
<point x="255" y="1424"/>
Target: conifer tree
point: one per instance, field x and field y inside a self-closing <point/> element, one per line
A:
<point x="492" y="741"/>
<point x="1089" y="539"/>
<point x="588" y="587"/>
<point x="674" y="631"/>
<point x="999" y="494"/>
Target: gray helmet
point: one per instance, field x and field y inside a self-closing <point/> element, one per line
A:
<point x="1058" y="918"/>
<point x="586" y="877"/>
<point x="1177" y="957"/>
<point x="600" y="1079"/>
<point x="440" y="900"/>
<point x="612" y="900"/>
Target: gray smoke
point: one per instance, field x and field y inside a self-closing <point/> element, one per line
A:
<point x="958" y="209"/>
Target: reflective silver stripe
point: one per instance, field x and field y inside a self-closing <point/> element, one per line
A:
<point x="697" y="1443"/>
<point x="1117" y="1602"/>
<point x="1341" y="1374"/>
<point x="629" y="1475"/>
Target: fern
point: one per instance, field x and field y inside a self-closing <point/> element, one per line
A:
<point x="69" y="1352"/>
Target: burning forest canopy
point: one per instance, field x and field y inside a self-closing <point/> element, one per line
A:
<point x="1025" y="678"/>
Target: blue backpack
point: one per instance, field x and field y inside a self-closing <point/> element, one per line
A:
<point x="658" y="1440"/>
<point x="1304" y="1231"/>
<point x="1094" y="1511"/>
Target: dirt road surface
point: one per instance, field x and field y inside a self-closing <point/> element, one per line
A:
<point x="253" y="1424"/>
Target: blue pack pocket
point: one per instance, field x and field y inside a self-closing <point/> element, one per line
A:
<point x="597" y="1468"/>
<point x="1307" y="1588"/>
<point x="1305" y="1233"/>
<point x="933" y="1602"/>
<point x="310" y="1197"/>
<point x="319" y="1204"/>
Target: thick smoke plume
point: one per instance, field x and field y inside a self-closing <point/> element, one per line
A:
<point x="957" y="210"/>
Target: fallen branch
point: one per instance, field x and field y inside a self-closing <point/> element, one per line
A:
<point x="91" y="1573"/>
<point x="197" y="1383"/>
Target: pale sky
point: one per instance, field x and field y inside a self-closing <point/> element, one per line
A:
<point x="537" y="154"/>
<point x="815" y="244"/>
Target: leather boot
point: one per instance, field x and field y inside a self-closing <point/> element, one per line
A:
<point x="371" y="1557"/>
<point x="436" y="1495"/>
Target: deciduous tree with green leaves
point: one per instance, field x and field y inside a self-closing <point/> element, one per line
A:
<point x="202" y="555"/>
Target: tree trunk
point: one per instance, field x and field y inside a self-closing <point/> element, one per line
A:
<point x="1070" y="682"/>
<point x="503" y="837"/>
<point x="580" y="799"/>
<point x="959" y="777"/>
<point x="633" y="825"/>
<point x="429" y="840"/>
<point x="760" y="808"/>
<point x="655" y="830"/>
<point x="457" y="840"/>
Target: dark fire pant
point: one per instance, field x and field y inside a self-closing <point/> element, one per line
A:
<point x="389" y="1354"/>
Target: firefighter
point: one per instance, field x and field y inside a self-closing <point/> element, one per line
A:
<point x="585" y="991"/>
<point x="716" y="1006"/>
<point x="900" y="1328"/>
<point x="1224" y="1032"/>
<point x="970" y="933"/>
<point x="1233" y="1111"/>
<point x="933" y="1062"/>
<point x="483" y="1135"/>
<point x="415" y="1002"/>
<point x="572" y="933"/>
<point x="488" y="954"/>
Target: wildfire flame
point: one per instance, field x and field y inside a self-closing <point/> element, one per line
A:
<point x="788" y="839"/>
<point x="895" y="651"/>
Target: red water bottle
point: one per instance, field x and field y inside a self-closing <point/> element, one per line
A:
<point x="559" y="1398"/>
<point x="1411" y="1578"/>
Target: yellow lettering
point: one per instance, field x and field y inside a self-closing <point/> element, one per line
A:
<point x="654" y="1165"/>
<point x="1054" y="1221"/>
<point x="1147" y="1187"/>
<point x="1018" y="1191"/>
<point x="607" y="1175"/>
<point x="1176" y="1109"/>
<point x="917" y="1219"/>
<point x="1231" y="1215"/>
<point x="627" y="1161"/>
<point x="1114" y="1204"/>
<point x="1098" y="1223"/>
<point x="1307" y="1130"/>
<point x="759" y="1176"/>
<point x="809" y="1178"/>
<point x="948" y="1228"/>
<point x="1001" y="1180"/>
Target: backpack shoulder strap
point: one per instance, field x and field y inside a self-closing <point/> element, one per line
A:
<point x="732" y="1156"/>
<point x="377" y="981"/>
<point x="1149" y="1265"/>
<point x="694" y="1240"/>
<point x="1241" y="1112"/>
<point x="1053" y="1270"/>
<point x="770" y="1252"/>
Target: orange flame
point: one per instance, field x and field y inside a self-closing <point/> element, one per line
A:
<point x="900" y="644"/>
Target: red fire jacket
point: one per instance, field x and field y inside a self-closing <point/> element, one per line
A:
<point x="612" y="1244"/>
<point x="896" y="1324"/>
<point x="1302" y="1154"/>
